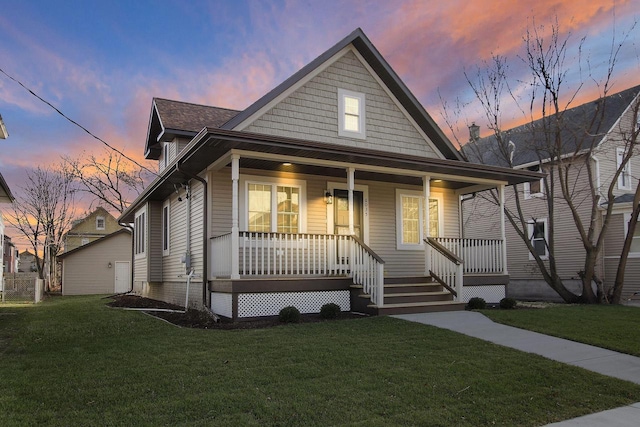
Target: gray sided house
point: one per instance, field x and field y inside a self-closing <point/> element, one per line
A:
<point x="102" y="266"/>
<point x="604" y="124"/>
<point x="336" y="186"/>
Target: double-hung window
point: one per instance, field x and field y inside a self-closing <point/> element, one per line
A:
<point x="624" y="179"/>
<point x="166" y="223"/>
<point x="539" y="235"/>
<point x="274" y="207"/>
<point x="634" y="252"/>
<point x="100" y="223"/>
<point x="411" y="219"/>
<point x="535" y="188"/>
<point x="351" y="114"/>
<point x="139" y="231"/>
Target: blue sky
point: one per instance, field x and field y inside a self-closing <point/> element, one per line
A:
<point x="101" y="62"/>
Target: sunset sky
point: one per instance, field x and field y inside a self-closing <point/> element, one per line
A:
<point x="101" y="62"/>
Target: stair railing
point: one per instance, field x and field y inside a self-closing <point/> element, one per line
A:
<point x="445" y="267"/>
<point x="367" y="270"/>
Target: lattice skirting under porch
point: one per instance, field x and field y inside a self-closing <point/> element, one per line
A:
<point x="490" y="293"/>
<point x="270" y="304"/>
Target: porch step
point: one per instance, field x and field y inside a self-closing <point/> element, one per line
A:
<point x="412" y="288"/>
<point x="418" y="307"/>
<point x="416" y="297"/>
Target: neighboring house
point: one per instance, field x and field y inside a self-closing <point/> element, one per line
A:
<point x="618" y="120"/>
<point x="313" y="194"/>
<point x="96" y="225"/>
<point x="5" y="197"/>
<point x="10" y="256"/>
<point x="102" y="266"/>
<point x="27" y="262"/>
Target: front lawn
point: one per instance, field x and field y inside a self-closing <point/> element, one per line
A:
<point x="614" y="327"/>
<point x="74" y="361"/>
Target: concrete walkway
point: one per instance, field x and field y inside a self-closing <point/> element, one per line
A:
<point x="592" y="358"/>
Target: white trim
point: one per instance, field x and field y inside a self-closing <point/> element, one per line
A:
<point x="625" y="174"/>
<point x="365" y="207"/>
<point x="400" y="245"/>
<point x="361" y="133"/>
<point x="165" y="152"/>
<point x="140" y="242"/>
<point x="530" y="225"/>
<point x="625" y="219"/>
<point x="104" y="222"/>
<point x="245" y="180"/>
<point x="527" y="188"/>
<point x="166" y="244"/>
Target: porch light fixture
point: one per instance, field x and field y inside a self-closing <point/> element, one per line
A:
<point x="286" y="164"/>
<point x="328" y="197"/>
<point x="109" y="265"/>
<point x="437" y="180"/>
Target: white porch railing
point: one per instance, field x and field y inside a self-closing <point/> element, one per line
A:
<point x="480" y="256"/>
<point x="284" y="254"/>
<point x="446" y="266"/>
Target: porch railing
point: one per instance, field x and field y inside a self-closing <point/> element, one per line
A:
<point x="446" y="266"/>
<point x="284" y="254"/>
<point x="481" y="256"/>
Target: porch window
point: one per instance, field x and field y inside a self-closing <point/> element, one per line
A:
<point x="273" y="208"/>
<point x="412" y="221"/>
<point x="539" y="235"/>
<point x="624" y="179"/>
<point x="351" y="117"/>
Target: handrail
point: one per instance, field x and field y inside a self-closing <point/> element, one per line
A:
<point x="444" y="251"/>
<point x="368" y="249"/>
<point x="443" y="283"/>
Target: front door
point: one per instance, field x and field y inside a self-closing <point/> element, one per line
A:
<point x="341" y="212"/>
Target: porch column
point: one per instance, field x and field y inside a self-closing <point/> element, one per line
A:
<point x="426" y="188"/>
<point x="502" y="231"/>
<point x="235" y="230"/>
<point x="351" y="185"/>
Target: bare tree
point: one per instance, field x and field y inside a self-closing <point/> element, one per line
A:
<point x="43" y="212"/>
<point x="110" y="178"/>
<point x="561" y="149"/>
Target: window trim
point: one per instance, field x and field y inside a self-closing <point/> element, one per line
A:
<point x="625" y="219"/>
<point x="166" y="154"/>
<point x="527" y="186"/>
<point x="104" y="222"/>
<point x="400" y="245"/>
<point x="530" y="225"/>
<point x="274" y="182"/>
<point x="140" y="233"/>
<point x="166" y="228"/>
<point x="626" y="172"/>
<point x="342" y="94"/>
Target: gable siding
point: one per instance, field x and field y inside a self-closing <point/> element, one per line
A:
<point x="311" y="112"/>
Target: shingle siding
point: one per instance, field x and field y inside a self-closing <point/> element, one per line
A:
<point x="311" y="112"/>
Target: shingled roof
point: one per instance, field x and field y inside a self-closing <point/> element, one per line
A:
<point x="175" y="118"/>
<point x="580" y="128"/>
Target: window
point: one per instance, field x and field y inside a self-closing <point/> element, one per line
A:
<point x="634" y="252"/>
<point x="274" y="206"/>
<point x="100" y="223"/>
<point x="351" y="114"/>
<point x="624" y="179"/>
<point x="538" y="234"/>
<point x="139" y="231"/>
<point x="411" y="220"/>
<point x="166" y="219"/>
<point x="535" y="188"/>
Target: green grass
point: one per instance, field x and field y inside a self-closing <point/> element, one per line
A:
<point x="609" y="326"/>
<point x="74" y="361"/>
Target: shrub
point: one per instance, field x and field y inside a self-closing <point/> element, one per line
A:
<point x="476" y="303"/>
<point x="289" y="314"/>
<point x="330" y="311"/>
<point x="508" y="303"/>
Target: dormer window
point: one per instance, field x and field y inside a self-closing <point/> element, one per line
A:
<point x="100" y="223"/>
<point x="351" y="117"/>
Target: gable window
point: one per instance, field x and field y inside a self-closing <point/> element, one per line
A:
<point x="100" y="223"/>
<point x="274" y="206"/>
<point x="351" y="114"/>
<point x="139" y="231"/>
<point x="624" y="179"/>
<point x="534" y="189"/>
<point x="411" y="220"/>
<point x="166" y="220"/>
<point x="538" y="235"/>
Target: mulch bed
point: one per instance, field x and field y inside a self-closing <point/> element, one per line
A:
<point x="202" y="320"/>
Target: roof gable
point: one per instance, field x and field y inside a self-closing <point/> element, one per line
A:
<point x="384" y="73"/>
<point x="94" y="243"/>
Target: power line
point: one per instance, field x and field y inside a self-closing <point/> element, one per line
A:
<point x="78" y="124"/>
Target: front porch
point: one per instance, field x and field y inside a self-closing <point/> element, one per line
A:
<point x="269" y="271"/>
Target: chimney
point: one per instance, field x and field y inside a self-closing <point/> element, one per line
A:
<point x="474" y="132"/>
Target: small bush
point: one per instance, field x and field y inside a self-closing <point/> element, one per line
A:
<point x="476" y="303"/>
<point x="330" y="311"/>
<point x="289" y="314"/>
<point x="508" y="303"/>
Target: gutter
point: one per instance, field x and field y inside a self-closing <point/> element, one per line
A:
<point x="205" y="232"/>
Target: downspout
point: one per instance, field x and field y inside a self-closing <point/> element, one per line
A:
<point x="205" y="233"/>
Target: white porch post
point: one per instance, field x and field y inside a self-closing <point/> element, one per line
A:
<point x="351" y="185"/>
<point x="502" y="230"/>
<point x="235" y="230"/>
<point x="426" y="188"/>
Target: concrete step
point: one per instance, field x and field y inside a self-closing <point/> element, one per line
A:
<point x="423" y="307"/>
